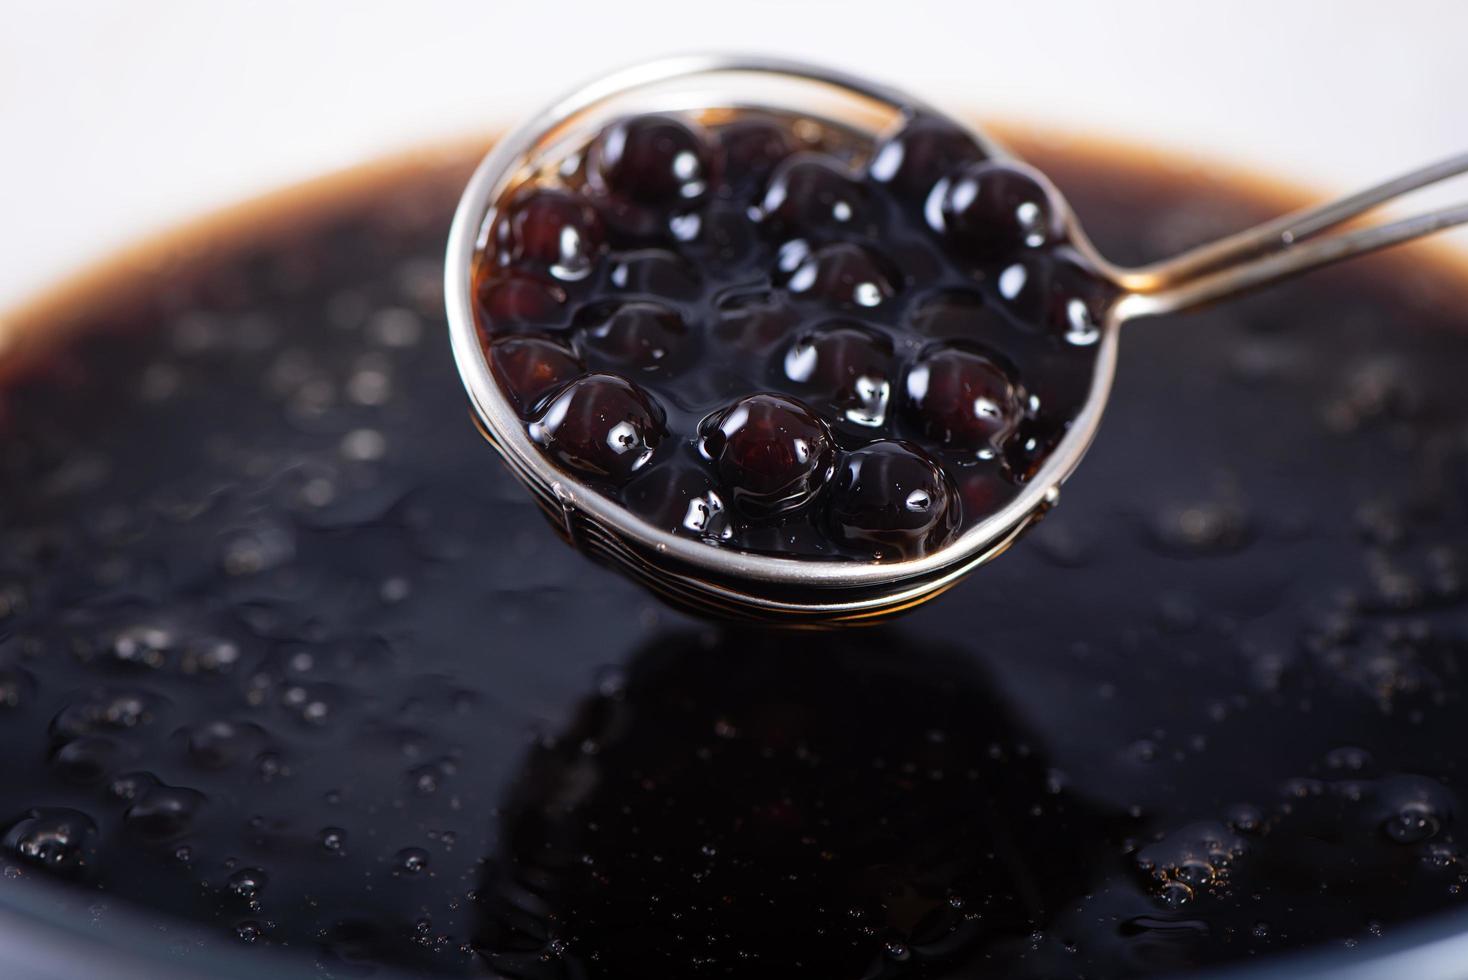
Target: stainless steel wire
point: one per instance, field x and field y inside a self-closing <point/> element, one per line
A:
<point x="730" y="583"/>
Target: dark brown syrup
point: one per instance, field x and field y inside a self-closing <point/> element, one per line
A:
<point x="285" y="651"/>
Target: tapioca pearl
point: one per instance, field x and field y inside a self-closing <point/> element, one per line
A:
<point x="557" y="229"/>
<point x="813" y="194"/>
<point x="601" y="426"/>
<point x="754" y="286"/>
<point x="654" y="272"/>
<point x="681" y="499"/>
<point x="771" y="452"/>
<point x="1080" y="302"/>
<point x="1056" y="294"/>
<point x="530" y="367"/>
<point x="963" y="399"/>
<point x="925" y="149"/>
<point x="720" y="238"/>
<point x="841" y="275"/>
<point x="983" y="490"/>
<point x="992" y="211"/>
<point x="753" y="148"/>
<point x="653" y="161"/>
<point x="843" y="366"/>
<point x="1058" y="381"/>
<point x="511" y="303"/>
<point x="1031" y="445"/>
<point x="641" y="337"/>
<point x="893" y="498"/>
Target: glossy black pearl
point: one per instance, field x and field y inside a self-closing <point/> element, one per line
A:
<point x="681" y="499"/>
<point x="925" y="150"/>
<point x="893" y="499"/>
<point x="639" y="337"/>
<point x="962" y="399"/>
<point x="753" y="148"/>
<point x="601" y="426"/>
<point x="770" y="452"/>
<point x="813" y="195"/>
<point x="788" y="293"/>
<point x="512" y="302"/>
<point x="721" y="238"/>
<point x="529" y="367"/>
<point x="983" y="490"/>
<point x="552" y="228"/>
<point x="1031" y="445"/>
<point x="841" y="275"/>
<point x="845" y="368"/>
<point x="993" y="210"/>
<point x="1055" y="294"/>
<point x="657" y="162"/>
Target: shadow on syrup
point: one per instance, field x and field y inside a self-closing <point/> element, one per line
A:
<point x="912" y="822"/>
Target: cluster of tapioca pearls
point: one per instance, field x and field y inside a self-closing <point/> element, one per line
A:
<point x="640" y="278"/>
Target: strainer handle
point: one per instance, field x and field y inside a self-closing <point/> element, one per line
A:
<point x="1287" y="246"/>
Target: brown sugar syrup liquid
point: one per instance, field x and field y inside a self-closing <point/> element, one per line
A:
<point x="283" y="650"/>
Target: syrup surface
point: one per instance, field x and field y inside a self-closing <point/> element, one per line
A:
<point x="285" y="651"/>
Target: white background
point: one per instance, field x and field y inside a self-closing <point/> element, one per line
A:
<point x="118" y="117"/>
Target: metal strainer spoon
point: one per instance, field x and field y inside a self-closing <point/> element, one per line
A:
<point x="728" y="582"/>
